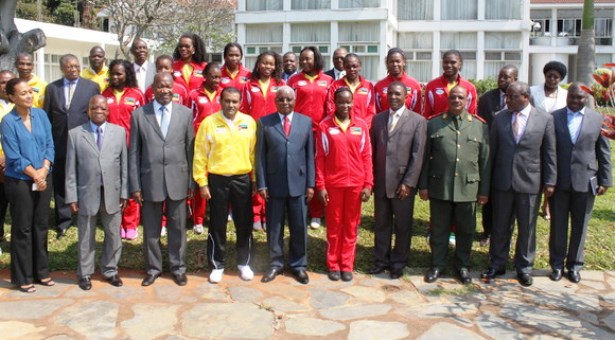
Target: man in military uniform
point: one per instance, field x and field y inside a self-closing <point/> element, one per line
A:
<point x="455" y="176"/>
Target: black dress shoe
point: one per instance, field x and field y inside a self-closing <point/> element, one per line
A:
<point x="149" y="280"/>
<point x="85" y="283"/>
<point x="491" y="273"/>
<point x="574" y="276"/>
<point x="525" y="279"/>
<point x="556" y="275"/>
<point x="464" y="276"/>
<point x="60" y="234"/>
<point x="180" y="279"/>
<point x="115" y="280"/>
<point x="301" y="276"/>
<point x="346" y="276"/>
<point x="432" y="275"/>
<point x="271" y="274"/>
<point x="397" y="273"/>
<point x="376" y="270"/>
<point x="334" y="275"/>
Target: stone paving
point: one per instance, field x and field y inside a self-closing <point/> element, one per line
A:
<point x="370" y="307"/>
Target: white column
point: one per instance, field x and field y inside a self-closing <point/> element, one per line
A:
<point x="480" y="55"/>
<point x="285" y="37"/>
<point x="286" y="5"/>
<point x="334" y="40"/>
<point x="335" y="4"/>
<point x="241" y="5"/>
<point x="435" y="57"/>
<point x="382" y="50"/>
<point x="40" y="63"/>
<point x="241" y="38"/>
<point x="481" y="10"/>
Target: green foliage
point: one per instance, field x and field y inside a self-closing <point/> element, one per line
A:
<point x="484" y="85"/>
<point x="64" y="14"/>
<point x="27" y="10"/>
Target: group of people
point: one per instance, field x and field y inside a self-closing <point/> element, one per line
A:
<point x="141" y="142"/>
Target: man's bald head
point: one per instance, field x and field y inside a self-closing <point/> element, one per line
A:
<point x="98" y="110"/>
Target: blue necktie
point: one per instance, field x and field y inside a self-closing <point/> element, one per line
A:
<point x="164" y="121"/>
<point x="99" y="137"/>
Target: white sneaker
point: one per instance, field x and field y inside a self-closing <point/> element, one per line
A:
<point x="315" y="223"/>
<point x="198" y="229"/>
<point x="257" y="226"/>
<point x="451" y="240"/>
<point x="216" y="275"/>
<point x="163" y="231"/>
<point x="230" y="217"/>
<point x="246" y="273"/>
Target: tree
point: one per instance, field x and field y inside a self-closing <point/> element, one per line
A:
<point x="586" y="62"/>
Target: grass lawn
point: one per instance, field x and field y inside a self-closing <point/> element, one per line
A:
<point x="599" y="251"/>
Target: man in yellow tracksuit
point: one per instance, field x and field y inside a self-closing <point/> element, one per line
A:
<point x="98" y="72"/>
<point x="24" y="63"/>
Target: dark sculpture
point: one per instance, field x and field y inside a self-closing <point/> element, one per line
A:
<point x="11" y="41"/>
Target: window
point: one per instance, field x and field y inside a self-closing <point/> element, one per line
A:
<point x="459" y="10"/>
<point x="503" y="9"/>
<point x="264" y="5"/>
<point x="418" y="50"/>
<point x="359" y="3"/>
<point x="260" y="38"/>
<point x="362" y="39"/>
<point x="311" y="4"/>
<point x="415" y="9"/>
<point x="52" y="67"/>
<point x="501" y="48"/>
<point x="466" y="43"/>
<point x="303" y="35"/>
<point x="542" y="17"/>
<point x="603" y="28"/>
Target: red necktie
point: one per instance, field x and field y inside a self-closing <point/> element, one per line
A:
<point x="286" y="126"/>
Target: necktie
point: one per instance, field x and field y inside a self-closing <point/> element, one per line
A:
<point x="392" y="122"/>
<point x="516" y="126"/>
<point x="502" y="100"/>
<point x="164" y="121"/>
<point x="286" y="126"/>
<point x="99" y="137"/>
<point x="71" y="91"/>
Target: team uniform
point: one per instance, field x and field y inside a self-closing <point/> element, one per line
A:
<point x="259" y="102"/>
<point x="38" y="86"/>
<point x="414" y="101"/>
<point x="436" y="96"/>
<point x="343" y="168"/>
<point x="101" y="78"/>
<point x="180" y="95"/>
<point x="121" y="107"/>
<point x="237" y="80"/>
<point x="362" y="99"/>
<point x="190" y="75"/>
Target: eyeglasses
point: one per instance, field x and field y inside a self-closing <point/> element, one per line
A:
<point x="70" y="67"/>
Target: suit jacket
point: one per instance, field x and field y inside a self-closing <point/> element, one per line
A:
<point x="149" y="75"/>
<point x="538" y="98"/>
<point x="527" y="166"/>
<point x="488" y="105"/>
<point x="161" y="167"/>
<point x="589" y="157"/>
<point x="62" y="118"/>
<point x="285" y="165"/>
<point x="85" y="165"/>
<point x="398" y="156"/>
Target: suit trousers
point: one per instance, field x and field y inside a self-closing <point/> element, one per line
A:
<point x="236" y="191"/>
<point x="343" y="214"/>
<point x="4" y="204"/>
<point x="487" y="219"/>
<point x="277" y="209"/>
<point x="176" y="235"/>
<point x="443" y="213"/>
<point x="112" y="245"/>
<point x="63" y="215"/>
<point x="576" y="206"/>
<point x="393" y="216"/>
<point x="30" y="222"/>
<point x="507" y="206"/>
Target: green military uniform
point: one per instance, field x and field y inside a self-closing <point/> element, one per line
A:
<point x="456" y="170"/>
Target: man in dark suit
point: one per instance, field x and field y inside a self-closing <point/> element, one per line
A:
<point x="66" y="103"/>
<point x="488" y="105"/>
<point x="337" y="72"/>
<point x="398" y="144"/>
<point x="145" y="70"/>
<point x="583" y="172"/>
<point x="523" y="156"/>
<point x="285" y="180"/>
<point x="160" y="165"/>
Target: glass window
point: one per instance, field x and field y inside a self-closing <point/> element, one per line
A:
<point x="310" y="33"/>
<point x="358" y="3"/>
<point x="604" y="31"/>
<point x="311" y="4"/>
<point x="503" y="9"/>
<point x="418" y="50"/>
<point x="415" y="9"/>
<point x="502" y="40"/>
<point x="466" y="43"/>
<point x="501" y="48"/>
<point x="264" y="33"/>
<point x="459" y="9"/>
<point x="362" y="39"/>
<point x="264" y="5"/>
<point x="359" y="31"/>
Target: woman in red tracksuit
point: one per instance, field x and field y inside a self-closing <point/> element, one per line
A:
<point x="311" y="87"/>
<point x="396" y="69"/>
<point x="164" y="63"/>
<point x="204" y="102"/>
<point x="344" y="178"/>
<point x="190" y="57"/>
<point x="362" y="90"/>
<point x="258" y="100"/>
<point x="233" y="72"/>
<point x="123" y="97"/>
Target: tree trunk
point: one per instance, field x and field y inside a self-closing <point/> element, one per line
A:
<point x="586" y="55"/>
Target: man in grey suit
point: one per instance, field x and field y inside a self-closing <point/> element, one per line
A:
<point x="97" y="183"/>
<point x="583" y="172"/>
<point x="285" y="178"/>
<point x="523" y="156"/>
<point x="144" y="70"/>
<point x="66" y="103"/>
<point x="160" y="164"/>
<point x="398" y="145"/>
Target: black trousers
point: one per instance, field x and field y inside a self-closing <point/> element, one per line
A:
<point x="30" y="215"/>
<point x="4" y="204"/>
<point x="393" y="216"/>
<point x="487" y="219"/>
<point x="236" y="191"/>
<point x="63" y="215"/>
<point x="295" y="208"/>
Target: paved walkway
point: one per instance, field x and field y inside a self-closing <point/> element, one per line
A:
<point x="370" y="307"/>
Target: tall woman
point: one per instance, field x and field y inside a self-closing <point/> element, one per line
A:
<point x="344" y="178"/>
<point x="29" y="151"/>
<point x="190" y="61"/>
<point x="436" y="91"/>
<point x="311" y="86"/>
<point x="123" y="97"/>
<point x="257" y="100"/>
<point x="396" y="69"/>
<point x="233" y="72"/>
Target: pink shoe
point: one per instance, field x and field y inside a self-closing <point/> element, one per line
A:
<point x="131" y="234"/>
<point x="122" y="233"/>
